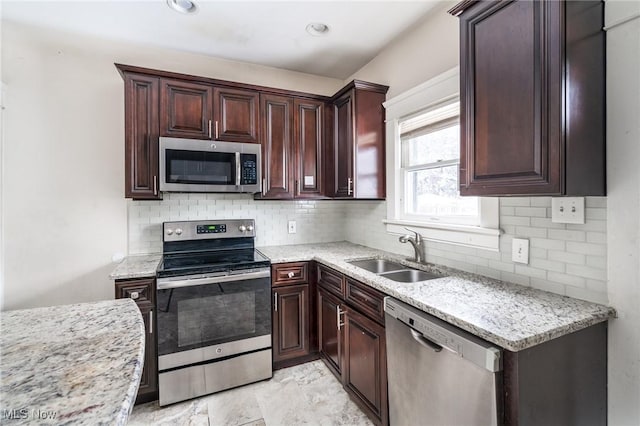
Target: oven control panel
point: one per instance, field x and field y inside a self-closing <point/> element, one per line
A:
<point x="211" y="229"/>
<point x="208" y="229"/>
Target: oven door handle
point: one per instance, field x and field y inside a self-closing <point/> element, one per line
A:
<point x="167" y="283"/>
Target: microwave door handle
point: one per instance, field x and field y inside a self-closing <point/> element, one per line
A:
<point x="238" y="169"/>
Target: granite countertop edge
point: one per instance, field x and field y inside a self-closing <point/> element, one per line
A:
<point x="593" y="313"/>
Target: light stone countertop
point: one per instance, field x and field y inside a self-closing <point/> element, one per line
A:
<point x="73" y="364"/>
<point x="509" y="315"/>
<point x="141" y="266"/>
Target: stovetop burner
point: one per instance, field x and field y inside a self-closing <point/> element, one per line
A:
<point x="202" y="247"/>
<point x="191" y="263"/>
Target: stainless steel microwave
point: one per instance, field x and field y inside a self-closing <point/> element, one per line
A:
<point x="193" y="165"/>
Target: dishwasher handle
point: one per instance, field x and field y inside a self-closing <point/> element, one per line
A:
<point x="424" y="341"/>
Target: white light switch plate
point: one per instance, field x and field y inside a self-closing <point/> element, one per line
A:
<point x="292" y="227"/>
<point x="567" y="210"/>
<point x="520" y="250"/>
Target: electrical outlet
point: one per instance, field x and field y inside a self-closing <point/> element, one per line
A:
<point x="520" y="250"/>
<point x="292" y="227"/>
<point x="567" y="210"/>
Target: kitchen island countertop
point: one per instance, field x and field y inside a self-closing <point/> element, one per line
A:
<point x="72" y="364"/>
<point x="509" y="315"/>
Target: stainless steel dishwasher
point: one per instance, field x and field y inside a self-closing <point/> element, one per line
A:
<point x="437" y="373"/>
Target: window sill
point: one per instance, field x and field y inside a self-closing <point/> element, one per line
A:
<point x="463" y="235"/>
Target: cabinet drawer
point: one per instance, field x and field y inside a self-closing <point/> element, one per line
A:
<point x="365" y="299"/>
<point x="331" y="280"/>
<point x="142" y="291"/>
<point x="289" y="273"/>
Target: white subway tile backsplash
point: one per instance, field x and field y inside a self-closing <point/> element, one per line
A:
<point x="531" y="211"/>
<point x="559" y="253"/>
<point x="565" y="259"/>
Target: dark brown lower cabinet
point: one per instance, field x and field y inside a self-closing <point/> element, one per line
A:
<point x="290" y="322"/>
<point x="143" y="292"/>
<point x="352" y="340"/>
<point x="365" y="363"/>
<point x="329" y="331"/>
<point x="294" y="336"/>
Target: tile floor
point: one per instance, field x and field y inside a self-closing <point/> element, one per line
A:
<point x="306" y="394"/>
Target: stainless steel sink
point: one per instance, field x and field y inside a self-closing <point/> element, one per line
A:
<point x="378" y="266"/>
<point x="410" y="276"/>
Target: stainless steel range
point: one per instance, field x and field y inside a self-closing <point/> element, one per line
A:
<point x="214" y="309"/>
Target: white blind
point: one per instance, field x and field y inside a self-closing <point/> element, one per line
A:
<point x="430" y="120"/>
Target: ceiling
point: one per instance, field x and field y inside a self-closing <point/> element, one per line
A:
<point x="262" y="32"/>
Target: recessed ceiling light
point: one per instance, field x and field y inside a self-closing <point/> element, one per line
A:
<point x="182" y="6"/>
<point x="317" y="29"/>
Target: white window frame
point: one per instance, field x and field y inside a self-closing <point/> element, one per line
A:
<point x="440" y="90"/>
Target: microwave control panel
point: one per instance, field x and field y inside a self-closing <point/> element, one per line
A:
<point x="249" y="170"/>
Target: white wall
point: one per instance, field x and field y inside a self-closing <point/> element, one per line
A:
<point x="623" y="186"/>
<point x="425" y="50"/>
<point x="64" y="209"/>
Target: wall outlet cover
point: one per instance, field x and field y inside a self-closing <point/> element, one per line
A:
<point x="292" y="226"/>
<point x="520" y="250"/>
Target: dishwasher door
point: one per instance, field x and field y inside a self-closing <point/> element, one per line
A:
<point x="438" y="374"/>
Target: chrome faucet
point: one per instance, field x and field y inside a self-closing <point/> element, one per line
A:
<point x="416" y="242"/>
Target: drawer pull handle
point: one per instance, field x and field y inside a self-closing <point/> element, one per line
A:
<point x="134" y="295"/>
<point x="291" y="274"/>
<point x="275" y="301"/>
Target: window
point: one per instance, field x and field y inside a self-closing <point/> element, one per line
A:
<point x="423" y="156"/>
<point x="430" y="148"/>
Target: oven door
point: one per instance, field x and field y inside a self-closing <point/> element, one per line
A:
<point x="191" y="165"/>
<point x="204" y="318"/>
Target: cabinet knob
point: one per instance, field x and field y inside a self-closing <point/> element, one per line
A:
<point x="134" y="295"/>
<point x="291" y="275"/>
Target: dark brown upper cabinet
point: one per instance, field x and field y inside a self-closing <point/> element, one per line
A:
<point x="141" y="121"/>
<point x="308" y="148"/>
<point x="532" y="81"/>
<point x="357" y="169"/>
<point x="277" y="146"/>
<point x="313" y="146"/>
<point x="292" y="147"/>
<point x="186" y="109"/>
<point x="236" y="115"/>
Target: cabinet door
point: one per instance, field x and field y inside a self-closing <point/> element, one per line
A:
<point x="277" y="146"/>
<point x="365" y="364"/>
<point x="186" y="109"/>
<point x="149" y="379"/>
<point x="309" y="142"/>
<point x="511" y="95"/>
<point x="143" y="291"/>
<point x="343" y="146"/>
<point x="141" y="136"/>
<point x="235" y="115"/>
<point x="290" y="322"/>
<point x="330" y="317"/>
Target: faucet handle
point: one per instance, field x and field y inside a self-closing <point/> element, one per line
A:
<point x="418" y="236"/>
